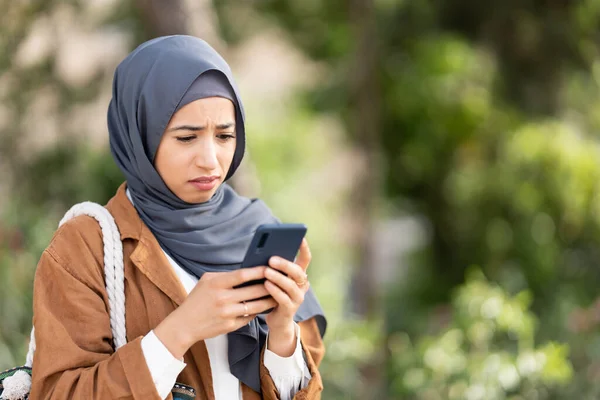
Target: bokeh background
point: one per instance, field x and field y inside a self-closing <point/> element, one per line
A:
<point x="444" y="155"/>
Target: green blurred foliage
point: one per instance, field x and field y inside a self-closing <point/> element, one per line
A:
<point x="514" y="194"/>
<point x="486" y="352"/>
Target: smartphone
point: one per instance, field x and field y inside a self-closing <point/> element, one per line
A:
<point x="270" y="240"/>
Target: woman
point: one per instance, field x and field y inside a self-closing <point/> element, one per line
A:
<point x="176" y="126"/>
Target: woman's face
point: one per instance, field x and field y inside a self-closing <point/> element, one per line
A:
<point x="197" y="148"/>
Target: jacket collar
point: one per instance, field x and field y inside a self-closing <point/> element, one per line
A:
<point x="147" y="256"/>
<point x="129" y="222"/>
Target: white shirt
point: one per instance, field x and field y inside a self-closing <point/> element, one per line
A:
<point x="290" y="374"/>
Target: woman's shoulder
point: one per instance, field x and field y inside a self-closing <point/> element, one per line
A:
<point x="78" y="243"/>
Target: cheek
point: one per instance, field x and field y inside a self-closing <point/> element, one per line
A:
<point x="171" y="160"/>
<point x="226" y="154"/>
<point x="181" y="155"/>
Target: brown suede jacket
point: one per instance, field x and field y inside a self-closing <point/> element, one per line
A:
<point x="74" y="358"/>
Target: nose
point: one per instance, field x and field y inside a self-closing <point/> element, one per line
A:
<point x="206" y="156"/>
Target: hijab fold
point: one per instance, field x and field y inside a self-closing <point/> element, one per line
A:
<point x="150" y="85"/>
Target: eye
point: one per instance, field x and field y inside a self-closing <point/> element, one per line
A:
<point x="226" y="136"/>
<point x="185" y="139"/>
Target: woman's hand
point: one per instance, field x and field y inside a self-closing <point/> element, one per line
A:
<point x="213" y="308"/>
<point x="289" y="293"/>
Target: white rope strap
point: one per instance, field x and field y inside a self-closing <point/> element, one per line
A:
<point x="113" y="264"/>
<point x="113" y="270"/>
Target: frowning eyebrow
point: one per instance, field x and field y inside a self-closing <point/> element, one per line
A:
<point x="196" y="128"/>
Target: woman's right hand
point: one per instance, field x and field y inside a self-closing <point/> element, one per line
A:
<point x="214" y="307"/>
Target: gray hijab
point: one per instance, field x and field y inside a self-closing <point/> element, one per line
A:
<point x="150" y="85"/>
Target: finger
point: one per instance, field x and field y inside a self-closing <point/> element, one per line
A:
<point x="281" y="297"/>
<point x="207" y="276"/>
<point x="251" y="307"/>
<point x="287" y="285"/>
<point x="292" y="270"/>
<point x="242" y="321"/>
<point x="304" y="256"/>
<point x="259" y="306"/>
<point x="233" y="278"/>
<point x="249" y="293"/>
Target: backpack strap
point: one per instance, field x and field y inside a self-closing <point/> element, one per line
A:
<point x="113" y="264"/>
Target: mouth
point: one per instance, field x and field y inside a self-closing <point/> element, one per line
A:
<point x="205" y="179"/>
<point x="204" y="183"/>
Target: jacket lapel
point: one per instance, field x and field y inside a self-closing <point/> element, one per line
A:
<point x="148" y="257"/>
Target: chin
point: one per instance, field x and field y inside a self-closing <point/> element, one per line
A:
<point x="200" y="197"/>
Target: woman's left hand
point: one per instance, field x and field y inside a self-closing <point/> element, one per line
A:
<point x="288" y="291"/>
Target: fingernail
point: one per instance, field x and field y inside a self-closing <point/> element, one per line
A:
<point x="275" y="261"/>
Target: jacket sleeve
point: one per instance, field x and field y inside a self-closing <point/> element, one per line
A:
<point x="74" y="357"/>
<point x="314" y="349"/>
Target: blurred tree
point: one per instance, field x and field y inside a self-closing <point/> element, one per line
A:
<point x="364" y="126"/>
<point x="164" y="17"/>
